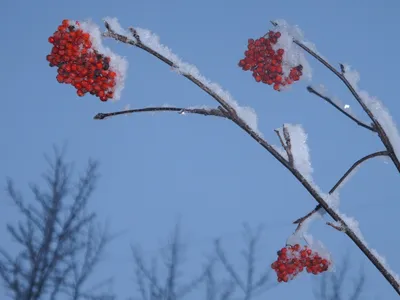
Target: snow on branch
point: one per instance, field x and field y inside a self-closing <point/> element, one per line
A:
<point x="294" y="142"/>
<point x="145" y="37"/>
<point x="353" y="225"/>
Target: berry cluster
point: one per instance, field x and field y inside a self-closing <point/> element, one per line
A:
<point x="267" y="64"/>
<point x="294" y="259"/>
<point x="79" y="64"/>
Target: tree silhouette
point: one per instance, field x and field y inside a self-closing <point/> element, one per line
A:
<point x="60" y="241"/>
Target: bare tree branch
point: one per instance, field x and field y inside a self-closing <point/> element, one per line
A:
<point x="249" y="286"/>
<point x="148" y="282"/>
<point x="228" y="266"/>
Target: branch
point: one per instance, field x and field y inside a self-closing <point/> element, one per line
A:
<point x="217" y="112"/>
<point x="230" y="111"/>
<point x="339" y="182"/>
<point x="143" y="272"/>
<point x="330" y="101"/>
<point x="377" y="126"/>
<point x="137" y="43"/>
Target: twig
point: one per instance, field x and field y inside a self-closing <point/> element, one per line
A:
<point x="338" y="228"/>
<point x="339" y="182"/>
<point x="199" y="111"/>
<point x="327" y="99"/>
<point x="288" y="141"/>
<point x="307" y="185"/>
<point x="287" y="145"/>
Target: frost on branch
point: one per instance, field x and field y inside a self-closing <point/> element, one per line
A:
<point x="380" y="112"/>
<point x="383" y="261"/>
<point x="152" y="41"/>
<point x="299" y="150"/>
<point x="353" y="225"/>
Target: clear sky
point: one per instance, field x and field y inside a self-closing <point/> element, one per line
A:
<point x="206" y="170"/>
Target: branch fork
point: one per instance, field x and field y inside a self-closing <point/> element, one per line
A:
<point x="286" y="143"/>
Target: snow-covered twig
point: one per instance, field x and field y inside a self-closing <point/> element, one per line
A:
<point x="330" y="101"/>
<point x="199" y="111"/>
<point x="287" y="145"/>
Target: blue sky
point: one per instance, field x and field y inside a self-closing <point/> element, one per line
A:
<point x="156" y="168"/>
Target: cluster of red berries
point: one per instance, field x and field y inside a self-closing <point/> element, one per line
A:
<point x="266" y="63"/>
<point x="294" y="259"/>
<point x="79" y="64"/>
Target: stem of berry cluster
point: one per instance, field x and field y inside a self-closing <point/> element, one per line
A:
<point x="231" y="114"/>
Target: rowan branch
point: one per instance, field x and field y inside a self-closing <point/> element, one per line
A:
<point x="331" y="102"/>
<point x="230" y="111"/>
<point x="339" y="182"/>
<point x="341" y="75"/>
<point x="138" y="43"/>
<point x="217" y="112"/>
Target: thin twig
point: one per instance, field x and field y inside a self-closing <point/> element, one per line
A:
<point x="288" y="141"/>
<point x="330" y="101"/>
<point x="339" y="182"/>
<point x="199" y="111"/>
<point x="307" y="185"/>
<point x="286" y="146"/>
<point x="338" y="228"/>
